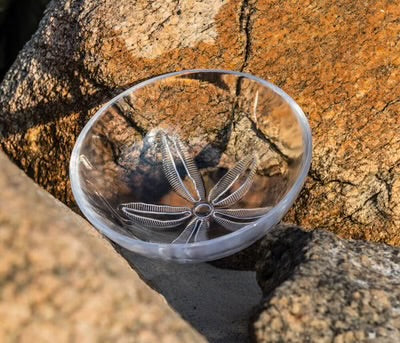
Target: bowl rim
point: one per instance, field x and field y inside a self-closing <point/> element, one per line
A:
<point x="166" y="250"/>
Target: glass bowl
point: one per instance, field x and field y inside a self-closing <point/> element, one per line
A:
<point x="191" y="166"/>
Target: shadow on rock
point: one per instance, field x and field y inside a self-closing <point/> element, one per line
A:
<point x="279" y="254"/>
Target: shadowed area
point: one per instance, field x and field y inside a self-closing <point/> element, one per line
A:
<point x="218" y="303"/>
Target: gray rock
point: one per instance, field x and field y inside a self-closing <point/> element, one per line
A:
<point x="320" y="288"/>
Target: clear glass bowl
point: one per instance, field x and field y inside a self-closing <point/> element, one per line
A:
<point x="191" y="166"/>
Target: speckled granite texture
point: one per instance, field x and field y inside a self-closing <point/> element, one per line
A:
<point x="320" y="288"/>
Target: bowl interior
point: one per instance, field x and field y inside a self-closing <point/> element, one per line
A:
<point x="190" y="157"/>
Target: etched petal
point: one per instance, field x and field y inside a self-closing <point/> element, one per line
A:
<point x="156" y="216"/>
<point x="191" y="170"/>
<point x="201" y="233"/>
<point x="230" y="224"/>
<point x="142" y="207"/>
<point x="192" y="230"/>
<point x="243" y="213"/>
<point x="218" y="195"/>
<point x="174" y="145"/>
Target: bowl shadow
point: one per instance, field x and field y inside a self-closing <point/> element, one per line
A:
<point x="218" y="303"/>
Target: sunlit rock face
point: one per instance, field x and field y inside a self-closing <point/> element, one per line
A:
<point x="338" y="60"/>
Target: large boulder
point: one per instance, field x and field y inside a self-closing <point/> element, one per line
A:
<point x="63" y="282"/>
<point x="339" y="60"/>
<point x="320" y="288"/>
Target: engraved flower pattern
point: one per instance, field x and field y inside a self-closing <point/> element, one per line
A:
<point x="186" y="180"/>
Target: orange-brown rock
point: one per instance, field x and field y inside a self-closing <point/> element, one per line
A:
<point x="339" y="60"/>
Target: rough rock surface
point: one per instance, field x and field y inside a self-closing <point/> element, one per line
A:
<point x="62" y="282"/>
<point x="339" y="60"/>
<point x="320" y="288"/>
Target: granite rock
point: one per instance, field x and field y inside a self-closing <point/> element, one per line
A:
<point x="61" y="281"/>
<point x="339" y="60"/>
<point x="320" y="288"/>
